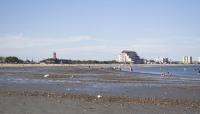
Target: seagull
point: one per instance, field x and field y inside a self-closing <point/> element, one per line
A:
<point x="99" y="96"/>
<point x="72" y="76"/>
<point x="46" y="75"/>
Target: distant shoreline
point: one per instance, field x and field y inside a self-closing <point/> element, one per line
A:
<point x="56" y="65"/>
<point x="95" y="65"/>
<point x="149" y="65"/>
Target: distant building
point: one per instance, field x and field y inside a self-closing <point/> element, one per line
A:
<point x="127" y="56"/>
<point x="198" y="59"/>
<point x="53" y="60"/>
<point x="165" y="60"/>
<point x="187" y="60"/>
<point x="158" y="60"/>
<point x="151" y="61"/>
<point x="161" y="60"/>
<point x="54" y="55"/>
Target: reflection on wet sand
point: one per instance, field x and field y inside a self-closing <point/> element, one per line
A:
<point x="87" y="83"/>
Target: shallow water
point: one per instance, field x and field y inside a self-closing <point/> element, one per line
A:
<point x="95" y="84"/>
<point x="18" y="80"/>
<point x="32" y="69"/>
<point x="160" y="89"/>
<point x="186" y="71"/>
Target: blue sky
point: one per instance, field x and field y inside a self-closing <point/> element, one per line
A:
<point x="99" y="29"/>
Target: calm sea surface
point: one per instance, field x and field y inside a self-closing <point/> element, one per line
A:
<point x="187" y="71"/>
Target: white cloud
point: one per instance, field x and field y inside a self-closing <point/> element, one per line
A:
<point x="20" y="41"/>
<point x="89" y="46"/>
<point x="35" y="47"/>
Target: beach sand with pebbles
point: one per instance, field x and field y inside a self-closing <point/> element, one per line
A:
<point x="98" y="89"/>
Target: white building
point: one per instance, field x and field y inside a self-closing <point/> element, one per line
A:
<point x="162" y="60"/>
<point x="127" y="56"/>
<point x="187" y="60"/>
<point x="199" y="59"/>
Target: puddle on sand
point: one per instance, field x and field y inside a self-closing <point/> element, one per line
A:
<point x="18" y="80"/>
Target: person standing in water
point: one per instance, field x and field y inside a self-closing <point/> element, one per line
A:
<point x="131" y="69"/>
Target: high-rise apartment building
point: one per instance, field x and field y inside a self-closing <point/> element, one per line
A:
<point x="127" y="56"/>
<point x="187" y="60"/>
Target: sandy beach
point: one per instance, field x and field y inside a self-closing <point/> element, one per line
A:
<point x="80" y="89"/>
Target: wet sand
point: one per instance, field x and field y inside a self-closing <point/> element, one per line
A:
<point x="74" y="89"/>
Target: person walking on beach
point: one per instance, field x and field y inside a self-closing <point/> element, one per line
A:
<point x="131" y="69"/>
<point x="197" y="70"/>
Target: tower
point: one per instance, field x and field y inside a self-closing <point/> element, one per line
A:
<point x="54" y="55"/>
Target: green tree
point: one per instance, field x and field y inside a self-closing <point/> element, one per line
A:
<point x="11" y="59"/>
<point x="2" y="59"/>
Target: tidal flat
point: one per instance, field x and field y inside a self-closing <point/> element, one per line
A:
<point x="94" y="89"/>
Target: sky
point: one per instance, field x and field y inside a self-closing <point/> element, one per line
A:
<point x="99" y="29"/>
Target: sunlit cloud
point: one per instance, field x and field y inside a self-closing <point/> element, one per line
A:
<point x="20" y="41"/>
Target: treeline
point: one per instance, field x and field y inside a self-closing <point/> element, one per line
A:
<point x="67" y="61"/>
<point x="16" y="60"/>
<point x="11" y="59"/>
<point x="87" y="62"/>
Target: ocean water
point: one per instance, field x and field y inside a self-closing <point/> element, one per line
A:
<point x="184" y="70"/>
